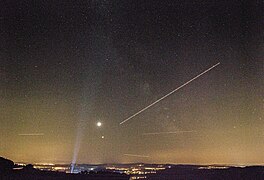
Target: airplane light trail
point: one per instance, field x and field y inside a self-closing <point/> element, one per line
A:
<point x="32" y="134"/>
<point x="173" y="132"/>
<point x="155" y="102"/>
<point x="136" y="155"/>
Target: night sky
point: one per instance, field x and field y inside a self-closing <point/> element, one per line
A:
<point x="66" y="65"/>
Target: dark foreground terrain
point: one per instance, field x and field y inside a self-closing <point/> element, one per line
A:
<point x="188" y="172"/>
<point x="43" y="175"/>
<point x="10" y="171"/>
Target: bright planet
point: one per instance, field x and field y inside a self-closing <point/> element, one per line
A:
<point x="98" y="124"/>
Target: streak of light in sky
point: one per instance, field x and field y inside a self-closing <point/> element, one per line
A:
<point x="174" y="132"/>
<point x="136" y="155"/>
<point x="32" y="134"/>
<point x="170" y="93"/>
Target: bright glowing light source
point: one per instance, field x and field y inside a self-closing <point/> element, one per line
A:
<point x="98" y="124"/>
<point x="102" y="137"/>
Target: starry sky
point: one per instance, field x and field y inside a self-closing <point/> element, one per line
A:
<point x="66" y="65"/>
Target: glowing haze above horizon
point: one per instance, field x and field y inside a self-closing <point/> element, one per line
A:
<point x="71" y="71"/>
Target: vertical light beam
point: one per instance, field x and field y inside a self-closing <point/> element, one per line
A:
<point x="79" y="137"/>
<point x="178" y="88"/>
